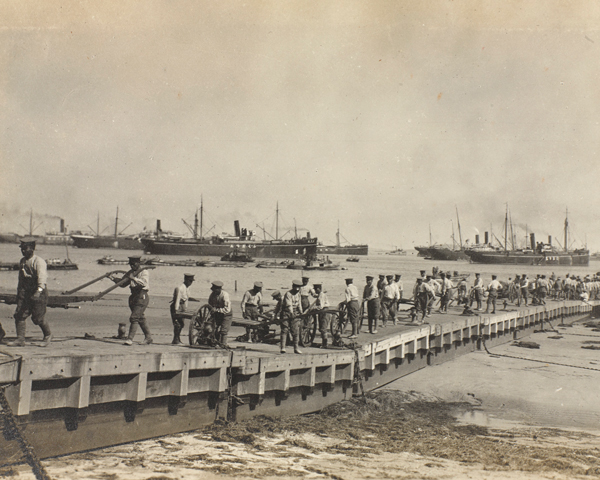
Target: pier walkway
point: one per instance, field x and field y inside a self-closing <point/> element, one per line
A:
<point x="87" y="390"/>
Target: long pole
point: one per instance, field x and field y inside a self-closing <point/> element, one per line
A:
<point x="201" y="214"/>
<point x="117" y="223"/>
<point x="277" y="222"/>
<point x="567" y="230"/>
<point x="459" y="232"/>
<point x="506" y="229"/>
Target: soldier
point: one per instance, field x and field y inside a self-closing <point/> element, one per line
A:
<point x="220" y="305"/>
<point x="524" y="289"/>
<point x="424" y="294"/>
<point x="542" y="289"/>
<point x="446" y="287"/>
<point x="477" y="291"/>
<point x="353" y="307"/>
<point x="371" y="298"/>
<point x="138" y="281"/>
<point x="291" y="308"/>
<point x="493" y="288"/>
<point x="251" y="306"/>
<point x="179" y="304"/>
<point x="388" y="301"/>
<point x="320" y="304"/>
<point x="32" y="295"/>
<point x="305" y="293"/>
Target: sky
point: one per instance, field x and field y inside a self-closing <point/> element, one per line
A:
<point x="388" y="117"/>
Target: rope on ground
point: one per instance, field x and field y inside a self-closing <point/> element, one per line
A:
<point x="14" y="432"/>
<point x="535" y="360"/>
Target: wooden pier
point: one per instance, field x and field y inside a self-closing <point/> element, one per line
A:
<point x="81" y="394"/>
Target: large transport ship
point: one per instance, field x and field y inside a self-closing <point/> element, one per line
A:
<point x="534" y="254"/>
<point x="339" y="249"/>
<point x="125" y="242"/>
<point x="244" y="242"/>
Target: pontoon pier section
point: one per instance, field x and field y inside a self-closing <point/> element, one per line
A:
<point x="67" y="401"/>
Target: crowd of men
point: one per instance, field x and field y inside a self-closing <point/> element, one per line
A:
<point x="380" y="300"/>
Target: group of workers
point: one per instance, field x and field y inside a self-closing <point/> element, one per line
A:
<point x="381" y="299"/>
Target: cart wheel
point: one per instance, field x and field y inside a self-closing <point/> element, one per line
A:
<point x="198" y="322"/>
<point x="339" y="320"/>
<point x="308" y="330"/>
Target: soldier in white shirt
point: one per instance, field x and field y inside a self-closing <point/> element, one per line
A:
<point x="352" y="306"/>
<point x="493" y="288"/>
<point x="179" y="304"/>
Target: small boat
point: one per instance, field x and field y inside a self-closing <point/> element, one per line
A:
<point x="283" y="264"/>
<point x="353" y="258"/>
<point x="397" y="251"/>
<point x="109" y="260"/>
<point x="222" y="264"/>
<point x="236" y="257"/>
<point x="9" y="266"/>
<point x="58" y="264"/>
<point x="313" y="266"/>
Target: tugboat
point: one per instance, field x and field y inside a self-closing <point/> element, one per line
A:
<point x="353" y="258"/>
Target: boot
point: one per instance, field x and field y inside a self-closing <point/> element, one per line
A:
<point x="223" y="339"/>
<point x="20" y="340"/>
<point x="2" y="333"/>
<point x="122" y="331"/>
<point x="176" y="332"/>
<point x="323" y="341"/>
<point x="282" y="343"/>
<point x="296" y="349"/>
<point x="132" y="331"/>
<point x="47" y="333"/>
<point x="147" y="337"/>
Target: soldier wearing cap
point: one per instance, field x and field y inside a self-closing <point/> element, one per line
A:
<point x="477" y="291"/>
<point x="291" y="308"/>
<point x="221" y="307"/>
<point x="389" y="301"/>
<point x="251" y="306"/>
<point x="138" y="281"/>
<point x="305" y="293"/>
<point x="321" y="303"/>
<point x="446" y="287"/>
<point x="371" y="298"/>
<point x="179" y="304"/>
<point x="32" y="294"/>
<point x="493" y="289"/>
<point x="353" y="307"/>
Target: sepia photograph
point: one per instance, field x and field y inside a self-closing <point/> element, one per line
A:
<point x="302" y="239"/>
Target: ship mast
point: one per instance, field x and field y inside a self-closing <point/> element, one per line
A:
<point x="31" y="222"/>
<point x="98" y="226"/>
<point x="506" y="229"/>
<point x="459" y="233"/>
<point x="117" y="223"/>
<point x="430" y="234"/>
<point x="277" y="222"/>
<point x="453" y="240"/>
<point x="567" y="230"/>
<point x="201" y="214"/>
<point x="337" y="235"/>
<point x="195" y="230"/>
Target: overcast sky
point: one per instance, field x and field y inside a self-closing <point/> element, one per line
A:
<point x="382" y="115"/>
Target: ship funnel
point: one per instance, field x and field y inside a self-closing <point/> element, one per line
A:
<point x="487" y="238"/>
<point x="236" y="226"/>
<point x="62" y="226"/>
<point x="549" y="239"/>
<point x="308" y="235"/>
<point x="158" y="227"/>
<point x="476" y="239"/>
<point x="532" y="239"/>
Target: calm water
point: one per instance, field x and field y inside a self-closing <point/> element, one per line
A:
<point x="164" y="279"/>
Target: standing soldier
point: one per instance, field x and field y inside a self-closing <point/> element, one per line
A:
<point x="371" y="298"/>
<point x="524" y="289"/>
<point x="320" y="304"/>
<point x="221" y="308"/>
<point x="139" y="284"/>
<point x="179" y="304"/>
<point x="478" y="291"/>
<point x="388" y="301"/>
<point x="445" y="298"/>
<point x="32" y="295"/>
<point x="305" y="293"/>
<point x="291" y="308"/>
<point x="493" y="288"/>
<point x="251" y="306"/>
<point x="542" y="289"/>
<point x="353" y="307"/>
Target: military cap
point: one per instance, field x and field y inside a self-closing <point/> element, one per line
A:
<point x="135" y="258"/>
<point x="370" y="276"/>
<point x="189" y="275"/>
<point x="398" y="275"/>
<point x="27" y="241"/>
<point x="389" y="276"/>
<point x="297" y="283"/>
<point x="428" y="277"/>
<point x="276" y="293"/>
<point x="381" y="275"/>
<point x="422" y="272"/>
<point x="349" y="280"/>
<point x="258" y="284"/>
<point x="217" y="283"/>
<point x="442" y="274"/>
<point x="305" y="278"/>
<point x="317" y="284"/>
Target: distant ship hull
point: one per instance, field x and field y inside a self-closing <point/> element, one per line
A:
<point x="343" y="249"/>
<point x="423" y="251"/>
<point x="443" y="253"/>
<point x="578" y="258"/>
<point x="275" y="249"/>
<point x="124" y="243"/>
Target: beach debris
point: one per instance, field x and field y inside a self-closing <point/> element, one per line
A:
<point x="525" y="344"/>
